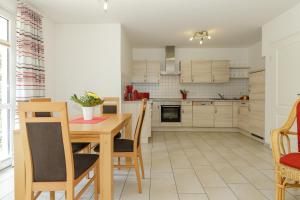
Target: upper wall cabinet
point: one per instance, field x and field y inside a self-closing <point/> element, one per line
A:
<point x="146" y="71"/>
<point x="220" y="71"/>
<point x="201" y="72"/>
<point x="204" y="71"/>
<point x="186" y="71"/>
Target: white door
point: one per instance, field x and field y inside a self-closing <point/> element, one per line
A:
<point x="7" y="100"/>
<point x="284" y="81"/>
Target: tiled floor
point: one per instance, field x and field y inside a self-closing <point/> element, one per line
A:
<point x="192" y="166"/>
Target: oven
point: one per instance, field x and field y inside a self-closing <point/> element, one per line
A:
<point x="170" y="113"/>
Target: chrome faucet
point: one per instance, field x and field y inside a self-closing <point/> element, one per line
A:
<point x="221" y="95"/>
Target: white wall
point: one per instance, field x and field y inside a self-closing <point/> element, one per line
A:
<point x="279" y="29"/>
<point x="86" y="57"/>
<point x="126" y="60"/>
<point x="255" y="59"/>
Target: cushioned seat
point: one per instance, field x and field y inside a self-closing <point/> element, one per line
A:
<point x="82" y="162"/>
<point x="120" y="145"/>
<point x="291" y="160"/>
<point x="76" y="147"/>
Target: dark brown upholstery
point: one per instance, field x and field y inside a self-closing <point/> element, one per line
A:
<point x="76" y="147"/>
<point x="109" y="109"/>
<point x="47" y="152"/>
<point x="43" y="114"/>
<point x="120" y="145"/>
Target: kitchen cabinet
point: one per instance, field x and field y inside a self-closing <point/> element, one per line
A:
<point x="235" y="114"/>
<point x="257" y="103"/>
<point x="186" y="114"/>
<point x="203" y="114"/>
<point x="133" y="107"/>
<point x="186" y="71"/>
<point x="223" y="114"/>
<point x="146" y="71"/>
<point x="201" y="71"/>
<point x="155" y="114"/>
<point x="220" y="71"/>
<point x="244" y="116"/>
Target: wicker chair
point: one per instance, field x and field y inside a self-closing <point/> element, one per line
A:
<point x="287" y="163"/>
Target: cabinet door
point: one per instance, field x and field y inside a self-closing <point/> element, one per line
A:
<point x="257" y="83"/>
<point x="220" y="71"/>
<point x="235" y="114"/>
<point x="203" y="114"/>
<point x="223" y="115"/>
<point x="186" y="71"/>
<point x="201" y="71"/>
<point x="257" y="117"/>
<point x="155" y="114"/>
<point x="244" y="118"/>
<point x="139" y="72"/>
<point x="153" y="71"/>
<point x="187" y="116"/>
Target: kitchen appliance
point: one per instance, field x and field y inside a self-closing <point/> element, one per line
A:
<point x="170" y="64"/>
<point x="170" y="113"/>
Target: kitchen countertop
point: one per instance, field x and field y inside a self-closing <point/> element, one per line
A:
<point x="192" y="99"/>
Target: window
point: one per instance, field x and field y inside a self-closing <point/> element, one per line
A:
<point x="6" y="105"/>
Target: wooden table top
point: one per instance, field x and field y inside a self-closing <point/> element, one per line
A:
<point x="108" y="126"/>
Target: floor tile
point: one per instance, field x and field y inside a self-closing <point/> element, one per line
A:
<point x="187" y="181"/>
<point x="215" y="193"/>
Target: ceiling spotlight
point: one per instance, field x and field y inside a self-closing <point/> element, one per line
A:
<point x="105" y="5"/>
<point x="202" y="35"/>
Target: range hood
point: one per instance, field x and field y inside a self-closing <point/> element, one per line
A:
<point x="170" y="64"/>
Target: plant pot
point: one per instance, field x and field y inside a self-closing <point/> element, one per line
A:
<point x="184" y="96"/>
<point x="88" y="113"/>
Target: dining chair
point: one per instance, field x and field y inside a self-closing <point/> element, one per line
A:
<point x="83" y="147"/>
<point x="131" y="148"/>
<point x="287" y="160"/>
<point x="50" y="164"/>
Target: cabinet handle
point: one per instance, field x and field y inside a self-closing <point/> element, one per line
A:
<point x="213" y="78"/>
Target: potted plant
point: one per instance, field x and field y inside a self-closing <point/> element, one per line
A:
<point x="87" y="102"/>
<point x="184" y="93"/>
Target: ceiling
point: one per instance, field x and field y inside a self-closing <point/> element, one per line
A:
<point x="156" y="23"/>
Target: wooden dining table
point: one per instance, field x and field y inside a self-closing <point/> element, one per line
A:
<point x="102" y="132"/>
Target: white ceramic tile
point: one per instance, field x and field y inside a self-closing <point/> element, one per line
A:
<point x="215" y="193"/>
<point x="193" y="197"/>
<point x="187" y="181"/>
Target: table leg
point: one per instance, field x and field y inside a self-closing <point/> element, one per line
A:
<point x="128" y="135"/>
<point x="106" y="167"/>
<point x="19" y="168"/>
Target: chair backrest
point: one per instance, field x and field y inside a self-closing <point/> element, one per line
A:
<point x="48" y="152"/>
<point x="139" y="124"/>
<point x="41" y="114"/>
<point x="110" y="105"/>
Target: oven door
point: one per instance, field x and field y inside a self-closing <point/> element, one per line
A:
<point x="170" y="113"/>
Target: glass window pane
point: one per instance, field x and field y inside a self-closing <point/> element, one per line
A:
<point x="3" y="29"/>
<point x="4" y="132"/>
<point x="4" y="96"/>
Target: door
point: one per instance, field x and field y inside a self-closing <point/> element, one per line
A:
<point x="220" y="71"/>
<point x="187" y="116"/>
<point x="139" y="71"/>
<point x="201" y="71"/>
<point x="153" y="71"/>
<point x="186" y="71"/>
<point x="7" y="85"/>
<point x="223" y="114"/>
<point x="203" y="114"/>
<point x="283" y="80"/>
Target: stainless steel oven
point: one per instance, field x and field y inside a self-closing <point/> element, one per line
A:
<point x="170" y="113"/>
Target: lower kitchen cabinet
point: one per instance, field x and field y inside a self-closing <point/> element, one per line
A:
<point x="257" y="117"/>
<point x="235" y="114"/>
<point x="223" y="114"/>
<point x="155" y="114"/>
<point x="244" y="116"/>
<point x="203" y="114"/>
<point x="186" y="115"/>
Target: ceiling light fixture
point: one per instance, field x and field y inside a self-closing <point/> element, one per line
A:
<point x="202" y="35"/>
<point x="105" y="5"/>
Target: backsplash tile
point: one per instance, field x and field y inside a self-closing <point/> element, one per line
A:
<point x="169" y="87"/>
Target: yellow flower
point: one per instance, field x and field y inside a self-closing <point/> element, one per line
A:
<point x="92" y="94"/>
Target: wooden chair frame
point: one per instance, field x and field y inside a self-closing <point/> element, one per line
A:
<point x="26" y="111"/>
<point x="111" y="101"/>
<point x="286" y="177"/>
<point x="136" y="155"/>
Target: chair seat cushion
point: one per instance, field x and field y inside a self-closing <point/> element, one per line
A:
<point x="291" y="160"/>
<point x="76" y="147"/>
<point x="82" y="162"/>
<point x="120" y="145"/>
